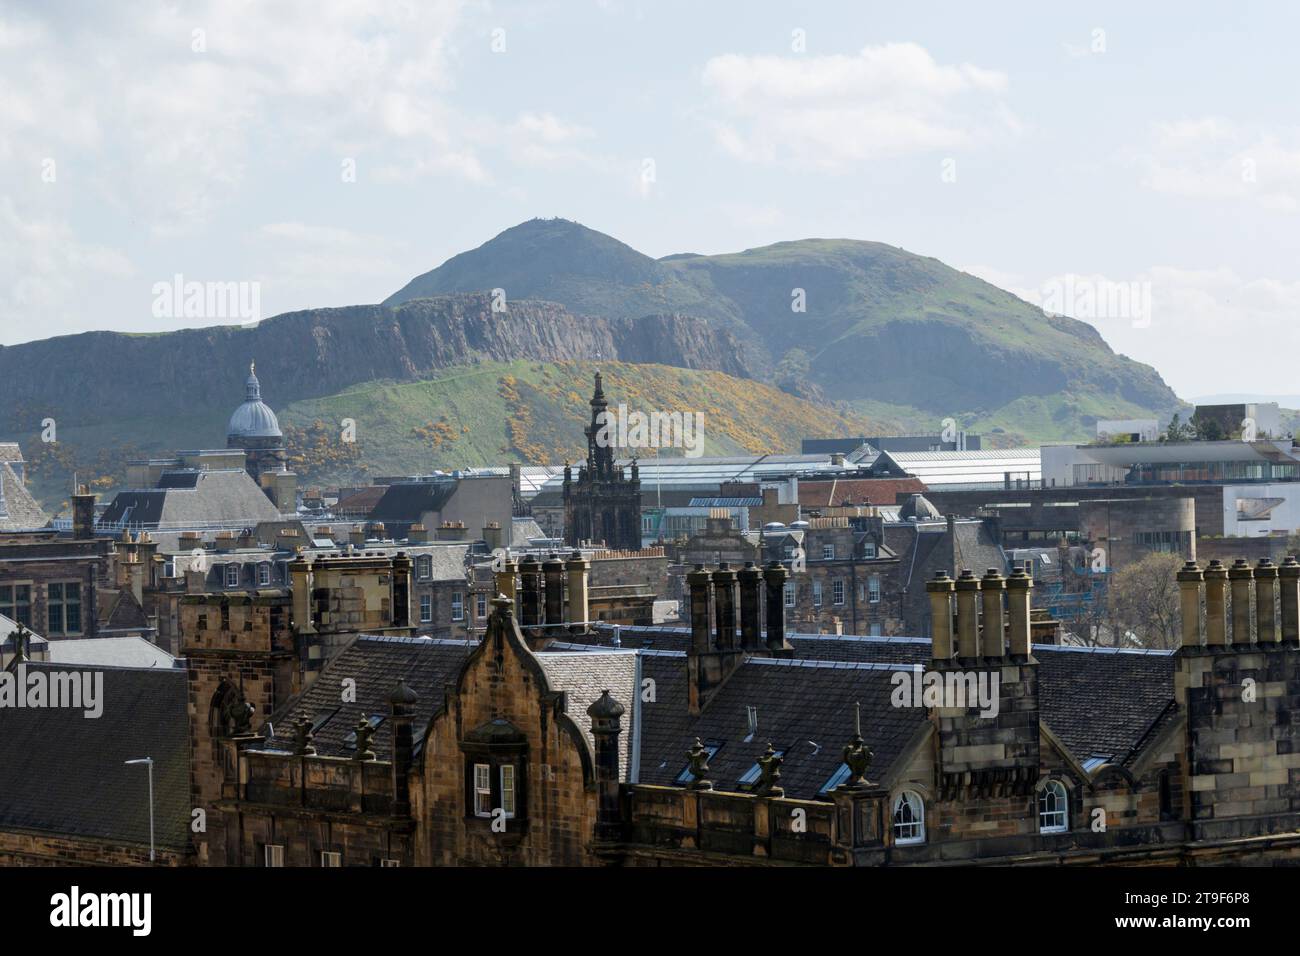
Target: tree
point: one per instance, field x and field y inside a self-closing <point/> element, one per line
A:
<point x="1144" y="601"/>
<point x="1178" y="430"/>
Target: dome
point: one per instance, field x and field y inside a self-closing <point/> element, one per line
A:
<point x="254" y="418"/>
<point x="918" y="508"/>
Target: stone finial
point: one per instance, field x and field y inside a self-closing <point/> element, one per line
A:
<point x="21" y="637"/>
<point x="769" y="773"/>
<point x="857" y="755"/>
<point x="302" y="738"/>
<point x="698" y="761"/>
<point x="365" y="735"/>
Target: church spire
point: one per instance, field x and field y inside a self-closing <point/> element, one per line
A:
<point x="600" y="443"/>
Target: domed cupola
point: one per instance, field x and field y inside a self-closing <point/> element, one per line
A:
<point x="254" y="418"/>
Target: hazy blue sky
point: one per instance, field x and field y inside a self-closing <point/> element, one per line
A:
<point x="1164" y="149"/>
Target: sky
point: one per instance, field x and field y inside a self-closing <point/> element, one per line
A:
<point x="1134" y="165"/>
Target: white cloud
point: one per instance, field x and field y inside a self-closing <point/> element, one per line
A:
<point x="1208" y="330"/>
<point x="1211" y="158"/>
<point x="830" y="111"/>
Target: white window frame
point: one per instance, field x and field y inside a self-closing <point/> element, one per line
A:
<point x="331" y="858"/>
<point x="232" y="571"/>
<point x="424" y="567"/>
<point x="1061" y="813"/>
<point x="482" y="790"/>
<point x="837" y="591"/>
<point x="817" y="593"/>
<point x="869" y="550"/>
<point x="481" y="605"/>
<point x="873" y="589"/>
<point x="264" y="574"/>
<point x="426" y="608"/>
<point x="914" y="828"/>
<point x="509" y="790"/>
<point x="789" y="594"/>
<point x="828" y="552"/>
<point x="457" y="605"/>
<point x="273" y="854"/>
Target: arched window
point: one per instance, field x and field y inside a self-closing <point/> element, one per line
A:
<point x="909" y="818"/>
<point x="1053" y="808"/>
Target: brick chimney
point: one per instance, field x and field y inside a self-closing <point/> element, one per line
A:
<point x="451" y="531"/>
<point x="493" y="535"/>
<point x="417" y="534"/>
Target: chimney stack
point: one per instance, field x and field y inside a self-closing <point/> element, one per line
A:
<point x="993" y="636"/>
<point x="1020" y="632"/>
<point x="940" y="589"/>
<point x="606" y="725"/>
<point x="1190" y="580"/>
<point x="417" y="534"/>
<point x="578" y="569"/>
<point x="504" y="577"/>
<point x="1241" y="575"/>
<point x="774" y="578"/>
<point x="83" y="513"/>
<point x="1266" y="631"/>
<point x="1216" y="605"/>
<point x="968" y="625"/>
<point x="724" y="602"/>
<point x="530" y="576"/>
<point x="1288" y="586"/>
<point x="751" y="630"/>
<point x="553" y="575"/>
<point x="698" y="583"/>
<point x="401" y="708"/>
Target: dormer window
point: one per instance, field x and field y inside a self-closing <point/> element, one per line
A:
<point x="1053" y="808"/>
<point x="264" y="574"/>
<point x="496" y="774"/>
<point x="424" y="567"/>
<point x="909" y="818"/>
<point x="232" y="575"/>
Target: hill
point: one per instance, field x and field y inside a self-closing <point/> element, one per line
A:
<point x="881" y="327"/>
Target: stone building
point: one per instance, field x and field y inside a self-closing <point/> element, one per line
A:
<point x="602" y="504"/>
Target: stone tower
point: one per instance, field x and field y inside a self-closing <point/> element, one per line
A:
<point x="603" y="503"/>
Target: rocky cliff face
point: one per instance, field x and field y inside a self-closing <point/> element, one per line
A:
<point x="94" y="377"/>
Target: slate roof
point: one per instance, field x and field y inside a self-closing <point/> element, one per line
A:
<point x="407" y="502"/>
<point x="376" y="664"/>
<point x="803" y="707"/>
<point x="64" y="773"/>
<point x="1101" y="701"/>
<point x="582" y="675"/>
<point x="524" y="529"/>
<point x="21" y="512"/>
<point x="225" y="497"/>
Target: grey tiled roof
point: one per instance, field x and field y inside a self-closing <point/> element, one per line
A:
<point x="803" y="707"/>
<point x="110" y="652"/>
<point x="376" y="664"/>
<point x="583" y="676"/>
<point x="1096" y="700"/>
<point x="21" y="512"/>
<point x="64" y="773"/>
<point x="226" y="497"/>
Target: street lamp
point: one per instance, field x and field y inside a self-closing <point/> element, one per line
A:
<point x="148" y="762"/>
